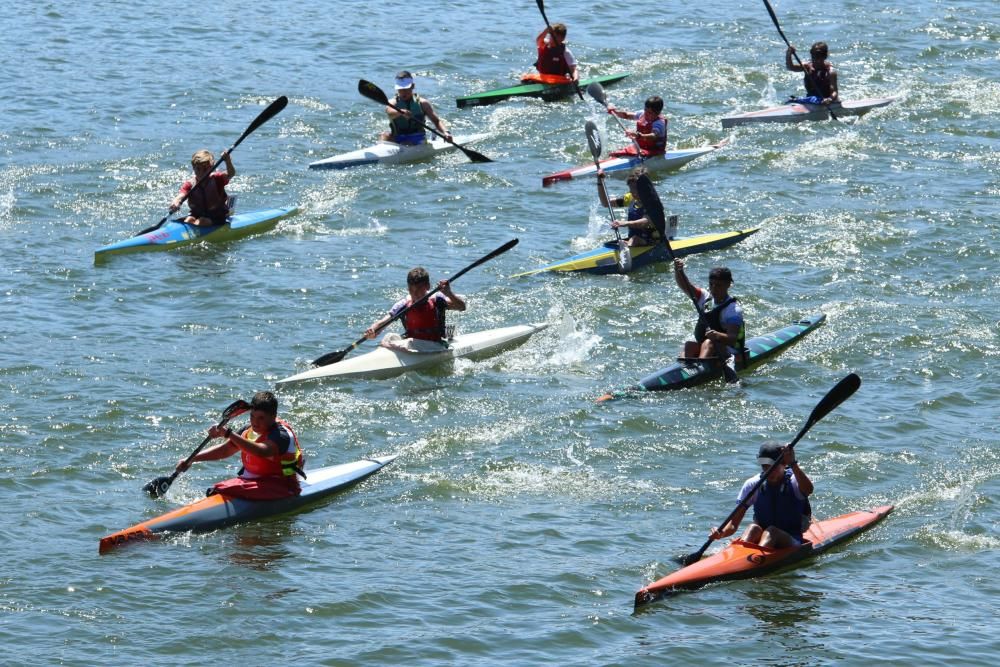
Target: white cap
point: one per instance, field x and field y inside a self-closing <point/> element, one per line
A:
<point x="404" y="82"/>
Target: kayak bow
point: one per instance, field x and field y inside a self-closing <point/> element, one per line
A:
<point x="796" y="112"/>
<point x="547" y="92"/>
<point x="175" y="234"/>
<point x="217" y="511"/>
<point x="689" y="373"/>
<point x="620" y="167"/>
<point x="382" y="362"/>
<point x="388" y="152"/>
<point x="741" y="560"/>
<point x="601" y="261"/>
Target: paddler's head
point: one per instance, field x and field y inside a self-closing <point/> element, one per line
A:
<point x="719" y="281"/>
<point x="202" y="162"/>
<point x="404" y="85"/>
<point x="418" y="282"/>
<point x="632" y="181"/>
<point x="819" y="52"/>
<point x="653" y="108"/>
<point x="559" y="32"/>
<point x="263" y="412"/>
<point x="767" y="455"/>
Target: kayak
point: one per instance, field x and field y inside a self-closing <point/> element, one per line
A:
<point x="619" y="167"/>
<point x="217" y="511"/>
<point x="602" y="261"/>
<point x="796" y="112"/>
<point x="384" y="363"/>
<point x="388" y="152"/>
<point x="741" y="560"/>
<point x="175" y="233"/>
<point x="689" y="373"/>
<point x="547" y="92"/>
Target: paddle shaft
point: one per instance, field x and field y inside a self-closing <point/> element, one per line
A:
<point x="334" y="357"/>
<point x="272" y="110"/>
<point x="159" y="486"/>
<point x="812" y="75"/>
<point x="840" y="393"/>
<point x="541" y="8"/>
<point x="596" y="91"/>
<point x="376" y="94"/>
<point x="594" y="142"/>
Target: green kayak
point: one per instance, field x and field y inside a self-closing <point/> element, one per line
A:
<point x="547" y="92"/>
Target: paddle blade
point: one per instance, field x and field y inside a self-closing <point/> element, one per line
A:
<point x="158" y="487"/>
<point x="596" y="91"/>
<point x="475" y="156"/>
<point x="372" y="92"/>
<point x="235" y="409"/>
<point x="842" y="391"/>
<point x="593" y="139"/>
<point x="654" y="209"/>
<point x="330" y="358"/>
<point x="272" y="110"/>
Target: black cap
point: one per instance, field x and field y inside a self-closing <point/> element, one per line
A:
<point x="769" y="453"/>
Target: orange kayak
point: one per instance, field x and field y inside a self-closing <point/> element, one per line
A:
<point x="741" y="560"/>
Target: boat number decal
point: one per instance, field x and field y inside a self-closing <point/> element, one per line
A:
<point x="756" y="559"/>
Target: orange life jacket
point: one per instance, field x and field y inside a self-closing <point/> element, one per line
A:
<point x="656" y="145"/>
<point x="282" y="465"/>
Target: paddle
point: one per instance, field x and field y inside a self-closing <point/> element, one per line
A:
<point x="812" y="75"/>
<point x="374" y="93"/>
<point x="334" y="357"/>
<point x="158" y="487"/>
<point x="623" y="256"/>
<point x="596" y="91"/>
<point x="267" y="114"/>
<point x="541" y="8"/>
<point x="842" y="391"/>
<point x="654" y="210"/>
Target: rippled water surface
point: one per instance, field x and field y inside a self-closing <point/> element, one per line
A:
<point x="521" y="517"/>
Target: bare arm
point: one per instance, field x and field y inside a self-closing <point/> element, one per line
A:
<point x="731" y="526"/>
<point x="682" y="279"/>
<point x="438" y="123"/>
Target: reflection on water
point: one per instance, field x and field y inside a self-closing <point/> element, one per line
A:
<point x="260" y="546"/>
<point x="782" y="608"/>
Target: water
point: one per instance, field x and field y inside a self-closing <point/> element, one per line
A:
<point x="521" y="517"/>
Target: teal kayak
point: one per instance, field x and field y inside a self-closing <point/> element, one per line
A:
<point x="174" y="233"/>
<point x="547" y="92"/>
<point x="689" y="372"/>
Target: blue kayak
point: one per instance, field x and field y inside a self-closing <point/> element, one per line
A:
<point x="685" y="373"/>
<point x="174" y="233"/>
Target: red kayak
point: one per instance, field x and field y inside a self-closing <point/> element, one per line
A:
<point x="741" y="560"/>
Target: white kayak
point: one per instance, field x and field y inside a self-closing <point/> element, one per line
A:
<point x="621" y="167"/>
<point x="384" y="362"/>
<point x="387" y="152"/>
<point x="796" y="112"/>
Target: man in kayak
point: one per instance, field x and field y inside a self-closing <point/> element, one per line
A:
<point x="407" y="126"/>
<point x="720" y="333"/>
<point x="272" y="458"/>
<point x="424" y="323"/>
<point x="208" y="201"/>
<point x="641" y="231"/>
<point x="820" y="77"/>
<point x="554" y="57"/>
<point x="781" y="512"/>
<point x="650" y="129"/>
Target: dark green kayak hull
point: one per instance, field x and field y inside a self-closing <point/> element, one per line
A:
<point x="545" y="91"/>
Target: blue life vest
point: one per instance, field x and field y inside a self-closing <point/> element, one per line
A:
<point x="777" y="506"/>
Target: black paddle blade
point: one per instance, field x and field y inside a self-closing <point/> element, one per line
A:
<point x="842" y="391"/>
<point x="654" y="209"/>
<point x="272" y="110"/>
<point x="158" y="487"/>
<point x="331" y="357"/>
<point x="596" y="91"/>
<point x="472" y="155"/>
<point x="372" y="92"/>
<point x="235" y="409"/>
<point x="593" y="139"/>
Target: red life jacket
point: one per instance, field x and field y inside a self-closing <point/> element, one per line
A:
<point x="426" y="321"/>
<point x="654" y="146"/>
<point x="208" y="199"/>
<point x="551" y="58"/>
<point x="284" y="466"/>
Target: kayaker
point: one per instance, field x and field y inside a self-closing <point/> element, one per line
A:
<point x="407" y="126"/>
<point x="650" y="128"/>
<point x="641" y="231"/>
<point x="720" y="332"/>
<point x="820" y="77"/>
<point x="781" y="511"/>
<point x="208" y="202"/>
<point x="554" y="57"/>
<point x="424" y="324"/>
<point x="272" y="458"/>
